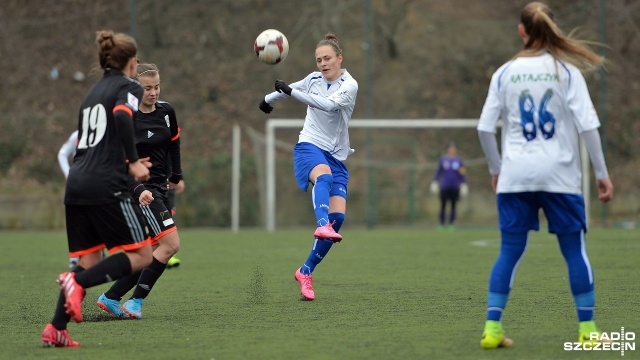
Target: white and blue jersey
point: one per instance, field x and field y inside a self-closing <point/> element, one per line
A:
<point x="66" y="150"/>
<point x="329" y="109"/>
<point x="544" y="104"/>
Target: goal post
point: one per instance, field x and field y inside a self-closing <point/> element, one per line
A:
<point x="272" y="125"/>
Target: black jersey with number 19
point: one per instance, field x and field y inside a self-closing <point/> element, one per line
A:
<point x="99" y="171"/>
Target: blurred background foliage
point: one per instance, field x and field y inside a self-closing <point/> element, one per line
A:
<point x="427" y="59"/>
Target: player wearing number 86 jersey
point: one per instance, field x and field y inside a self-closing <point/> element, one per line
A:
<point x="543" y="101"/>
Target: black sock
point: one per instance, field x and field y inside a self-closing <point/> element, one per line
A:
<point x="122" y="286"/>
<point x="148" y="278"/>
<point x="112" y="268"/>
<point x="60" y="317"/>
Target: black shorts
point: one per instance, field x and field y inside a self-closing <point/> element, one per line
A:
<point x="171" y="197"/>
<point x="116" y="226"/>
<point x="449" y="195"/>
<point x="158" y="214"/>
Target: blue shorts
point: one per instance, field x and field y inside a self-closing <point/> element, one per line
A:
<point x="306" y="156"/>
<point x="518" y="212"/>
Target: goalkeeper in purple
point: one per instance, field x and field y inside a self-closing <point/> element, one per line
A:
<point x="451" y="181"/>
<point x="543" y="101"/>
<point x="323" y="145"/>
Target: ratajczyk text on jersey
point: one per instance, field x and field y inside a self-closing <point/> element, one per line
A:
<point x="544" y="105"/>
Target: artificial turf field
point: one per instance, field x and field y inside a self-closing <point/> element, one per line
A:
<point x="380" y="294"/>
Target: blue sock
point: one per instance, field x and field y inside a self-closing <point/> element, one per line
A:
<point x="496" y="303"/>
<point x="321" y="247"/>
<point x="580" y="273"/>
<point x="511" y="250"/>
<point x="338" y="218"/>
<point x="320" y="198"/>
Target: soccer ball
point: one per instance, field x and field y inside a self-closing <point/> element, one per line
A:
<point x="271" y="47"/>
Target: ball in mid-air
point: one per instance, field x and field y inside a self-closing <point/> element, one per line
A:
<point x="271" y="47"/>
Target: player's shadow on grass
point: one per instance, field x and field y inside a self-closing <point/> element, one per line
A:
<point x="101" y="317"/>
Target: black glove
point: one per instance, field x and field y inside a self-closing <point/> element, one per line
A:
<point x="282" y="87"/>
<point x="265" y="107"/>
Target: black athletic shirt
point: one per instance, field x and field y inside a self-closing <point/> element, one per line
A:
<point x="158" y="137"/>
<point x="99" y="171"/>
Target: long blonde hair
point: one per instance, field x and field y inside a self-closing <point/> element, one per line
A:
<point x="544" y="35"/>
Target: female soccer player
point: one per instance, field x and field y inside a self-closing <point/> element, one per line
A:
<point x="543" y="101"/>
<point x="323" y="145"/>
<point x="158" y="137"/>
<point x="451" y="182"/>
<point x="98" y="207"/>
<point x="68" y="150"/>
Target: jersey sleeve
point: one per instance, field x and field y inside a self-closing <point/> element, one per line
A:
<point x="492" y="107"/>
<point x="127" y="102"/>
<point x="275" y="96"/>
<point x="174" y="147"/>
<point x="580" y="103"/>
<point x="66" y="150"/>
<point x="345" y="97"/>
<point x="135" y="187"/>
<point x="129" y="96"/>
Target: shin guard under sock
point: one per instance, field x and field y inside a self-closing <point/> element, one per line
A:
<point x="148" y="278"/>
<point x="112" y="268"/>
<point x="320" y="198"/>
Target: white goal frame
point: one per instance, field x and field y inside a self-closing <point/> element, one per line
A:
<point x="270" y="143"/>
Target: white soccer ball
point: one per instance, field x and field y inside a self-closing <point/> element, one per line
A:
<point x="271" y="47"/>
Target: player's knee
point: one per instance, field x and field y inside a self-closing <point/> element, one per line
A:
<point x="167" y="249"/>
<point x="140" y="258"/>
<point x="325" y="178"/>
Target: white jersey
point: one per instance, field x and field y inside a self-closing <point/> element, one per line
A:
<point x="67" y="149"/>
<point x="544" y="105"/>
<point x="330" y="105"/>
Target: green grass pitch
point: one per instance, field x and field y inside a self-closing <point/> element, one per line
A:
<point x="380" y="294"/>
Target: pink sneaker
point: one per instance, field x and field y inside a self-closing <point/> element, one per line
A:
<point x="73" y="293"/>
<point x="327" y="232"/>
<point x="52" y="337"/>
<point x="306" y="284"/>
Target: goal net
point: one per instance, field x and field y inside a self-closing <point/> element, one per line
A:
<point x="390" y="173"/>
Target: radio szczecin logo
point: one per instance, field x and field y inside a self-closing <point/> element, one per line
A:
<point x="605" y="341"/>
